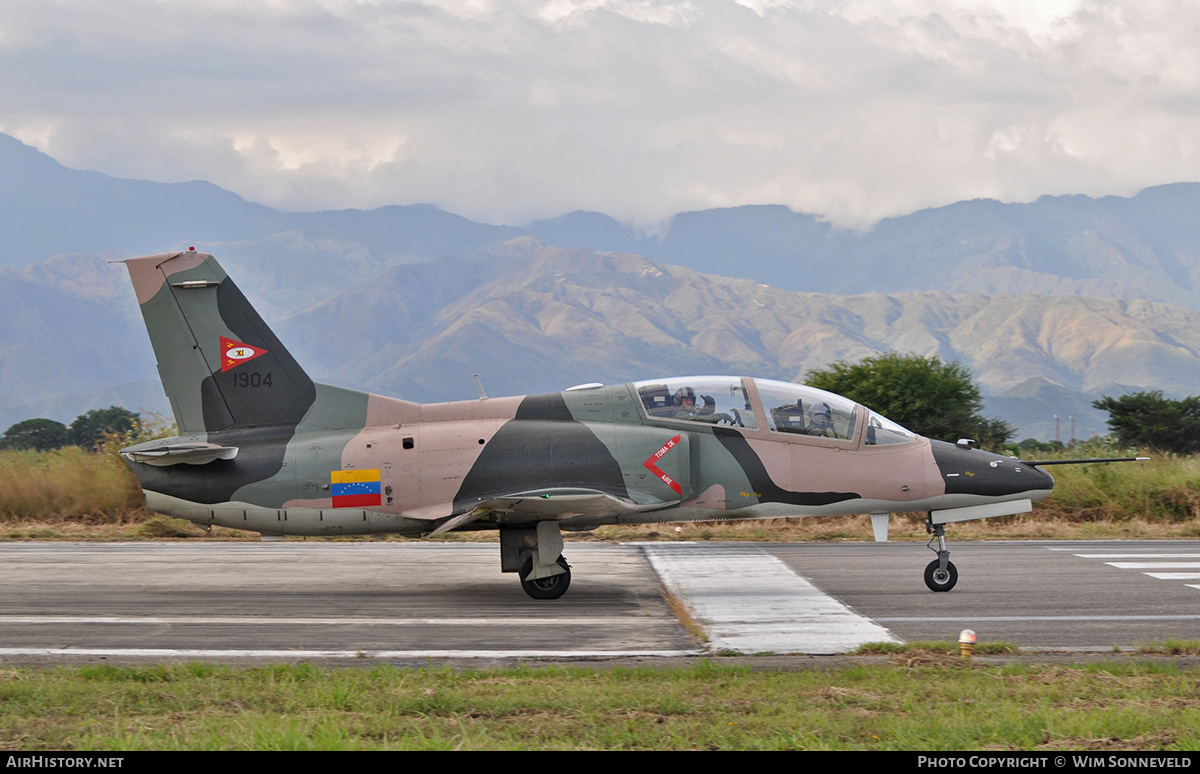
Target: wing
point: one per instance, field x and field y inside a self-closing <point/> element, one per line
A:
<point x="551" y="503"/>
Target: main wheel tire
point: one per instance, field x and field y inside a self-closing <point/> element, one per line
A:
<point x="552" y="587"/>
<point x="937" y="580"/>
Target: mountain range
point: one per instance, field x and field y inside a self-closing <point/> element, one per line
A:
<point x="1051" y="303"/>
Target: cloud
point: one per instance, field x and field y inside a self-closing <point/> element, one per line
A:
<point x="508" y="111"/>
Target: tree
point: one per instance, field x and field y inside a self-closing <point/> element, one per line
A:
<point x="1149" y="419"/>
<point x="39" y="434"/>
<point x="1041" y="447"/>
<point x="936" y="399"/>
<point x="91" y="429"/>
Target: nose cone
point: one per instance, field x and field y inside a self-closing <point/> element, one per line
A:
<point x="976" y="472"/>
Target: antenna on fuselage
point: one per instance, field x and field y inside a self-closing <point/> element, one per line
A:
<point x="479" y="384"/>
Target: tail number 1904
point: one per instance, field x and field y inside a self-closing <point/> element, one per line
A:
<point x="252" y="379"/>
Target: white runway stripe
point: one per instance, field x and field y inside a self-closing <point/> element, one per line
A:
<point x="748" y="601"/>
<point x="1032" y="618"/>
<point x="307" y="655"/>
<point x="1144" y="561"/>
<point x="272" y="621"/>
<point x="1135" y="556"/>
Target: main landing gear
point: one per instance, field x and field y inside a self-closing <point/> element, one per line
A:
<point x="535" y="553"/>
<point x="940" y="574"/>
<point x="549" y="587"/>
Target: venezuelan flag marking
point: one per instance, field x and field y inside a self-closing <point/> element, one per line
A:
<point x="356" y="488"/>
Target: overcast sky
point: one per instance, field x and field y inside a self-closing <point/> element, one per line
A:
<point x="510" y="110"/>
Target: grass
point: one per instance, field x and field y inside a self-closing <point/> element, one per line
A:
<point x="922" y="648"/>
<point x="1165" y="489"/>
<point x="685" y="617"/>
<point x="67" y="483"/>
<point x="1172" y="648"/>
<point x="900" y="705"/>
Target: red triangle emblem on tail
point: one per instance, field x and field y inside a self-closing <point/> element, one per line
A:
<point x="234" y="353"/>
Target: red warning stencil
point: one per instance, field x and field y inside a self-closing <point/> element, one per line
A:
<point x="652" y="465"/>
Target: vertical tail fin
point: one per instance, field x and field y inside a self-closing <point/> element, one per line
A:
<point x="221" y="366"/>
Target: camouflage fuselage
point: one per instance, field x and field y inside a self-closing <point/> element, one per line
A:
<point x="436" y="461"/>
<point x="262" y="447"/>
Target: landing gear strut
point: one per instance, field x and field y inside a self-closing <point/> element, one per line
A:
<point x="940" y="574"/>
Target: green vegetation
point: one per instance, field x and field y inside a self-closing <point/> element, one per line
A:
<point x="1148" y="419"/>
<point x="1162" y="490"/>
<point x="91" y="430"/>
<point x="166" y="527"/>
<point x="1033" y="446"/>
<point x="871" y="705"/>
<point x="35" y="434"/>
<point x="917" y="648"/>
<point x="66" y="483"/>
<point x="1173" y="648"/>
<point x="935" y="399"/>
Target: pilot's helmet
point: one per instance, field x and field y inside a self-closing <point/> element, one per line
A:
<point x="684" y="392"/>
<point x="821" y="415"/>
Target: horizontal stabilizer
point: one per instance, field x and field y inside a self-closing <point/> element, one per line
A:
<point x="162" y="454"/>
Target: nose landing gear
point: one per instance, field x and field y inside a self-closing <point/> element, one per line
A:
<point x="940" y="574"/>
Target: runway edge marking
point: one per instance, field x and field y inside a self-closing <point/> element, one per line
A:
<point x="749" y="601"/>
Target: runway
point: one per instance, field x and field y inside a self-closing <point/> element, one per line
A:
<point x="414" y="602"/>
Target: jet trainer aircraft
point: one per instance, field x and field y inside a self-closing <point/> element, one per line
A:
<point x="262" y="447"/>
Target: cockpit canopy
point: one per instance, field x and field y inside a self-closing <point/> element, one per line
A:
<point x="755" y="404"/>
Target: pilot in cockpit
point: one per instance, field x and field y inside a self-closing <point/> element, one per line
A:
<point x="684" y="401"/>
<point x="820" y="421"/>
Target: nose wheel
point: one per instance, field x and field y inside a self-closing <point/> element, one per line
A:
<point x="940" y="574"/>
<point x="939" y="578"/>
